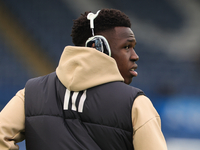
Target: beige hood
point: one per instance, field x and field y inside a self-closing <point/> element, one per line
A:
<point x="81" y="68"/>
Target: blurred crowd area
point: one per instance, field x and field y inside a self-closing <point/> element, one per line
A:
<point x="33" y="35"/>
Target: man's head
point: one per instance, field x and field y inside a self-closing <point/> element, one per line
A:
<point x="115" y="27"/>
<point x="106" y="20"/>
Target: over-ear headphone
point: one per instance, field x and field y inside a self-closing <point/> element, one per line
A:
<point x="99" y="41"/>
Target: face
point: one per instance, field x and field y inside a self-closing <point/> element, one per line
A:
<point x="122" y="43"/>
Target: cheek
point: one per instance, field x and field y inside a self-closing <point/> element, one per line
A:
<point x="120" y="63"/>
<point x="123" y="66"/>
<point x="123" y="61"/>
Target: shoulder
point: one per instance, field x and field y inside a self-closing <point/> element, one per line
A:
<point x="143" y="111"/>
<point x="124" y="87"/>
<point x="40" y="81"/>
<point x="20" y="94"/>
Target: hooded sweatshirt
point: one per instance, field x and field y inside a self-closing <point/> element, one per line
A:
<point x="79" y="69"/>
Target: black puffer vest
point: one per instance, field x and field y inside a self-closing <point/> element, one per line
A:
<point x="98" y="118"/>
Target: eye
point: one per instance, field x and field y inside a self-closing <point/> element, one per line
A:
<point x="127" y="47"/>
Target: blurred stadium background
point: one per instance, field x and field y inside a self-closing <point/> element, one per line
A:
<point x="33" y="34"/>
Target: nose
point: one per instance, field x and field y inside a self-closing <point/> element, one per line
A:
<point x="134" y="56"/>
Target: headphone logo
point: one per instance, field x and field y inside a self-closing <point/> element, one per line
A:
<point x="100" y="42"/>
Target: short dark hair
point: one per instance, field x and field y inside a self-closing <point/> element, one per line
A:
<point x="107" y="19"/>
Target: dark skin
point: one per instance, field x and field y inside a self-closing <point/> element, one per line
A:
<point x="122" y="43"/>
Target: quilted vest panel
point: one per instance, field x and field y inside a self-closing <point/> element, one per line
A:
<point x="98" y="118"/>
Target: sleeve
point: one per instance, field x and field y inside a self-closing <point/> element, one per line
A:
<point x="146" y="126"/>
<point x="12" y="122"/>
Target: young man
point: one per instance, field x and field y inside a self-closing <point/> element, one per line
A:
<point x="87" y="102"/>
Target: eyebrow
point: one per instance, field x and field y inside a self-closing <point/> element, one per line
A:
<point x="132" y="40"/>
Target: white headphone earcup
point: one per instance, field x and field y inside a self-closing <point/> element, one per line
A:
<point x="104" y="47"/>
